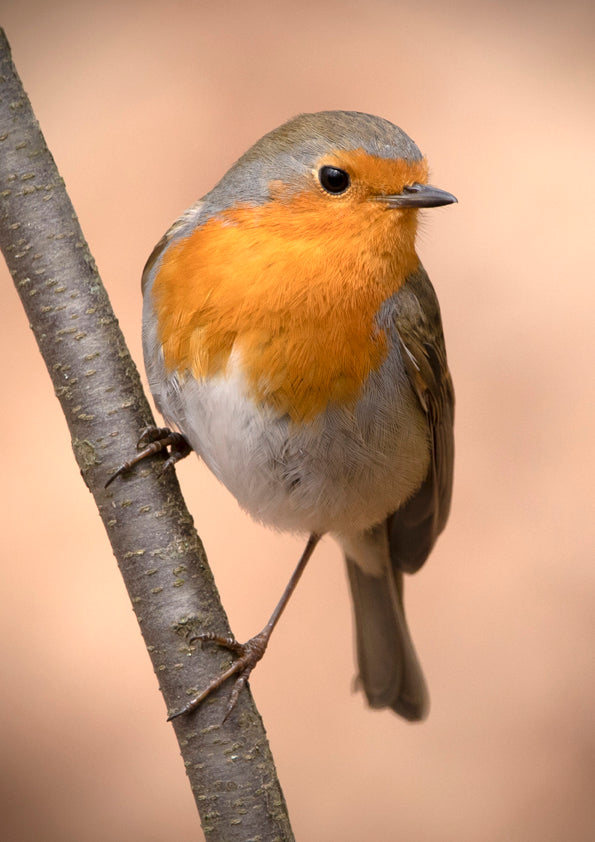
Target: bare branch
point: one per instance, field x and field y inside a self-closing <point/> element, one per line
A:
<point x="160" y="555"/>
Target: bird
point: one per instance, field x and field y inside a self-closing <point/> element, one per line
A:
<point x="293" y="340"/>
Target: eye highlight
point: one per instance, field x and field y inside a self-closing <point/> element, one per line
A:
<point x="334" y="180"/>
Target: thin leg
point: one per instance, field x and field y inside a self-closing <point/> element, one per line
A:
<point x="154" y="440"/>
<point x="252" y="651"/>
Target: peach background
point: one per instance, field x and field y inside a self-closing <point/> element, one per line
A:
<point x="144" y="106"/>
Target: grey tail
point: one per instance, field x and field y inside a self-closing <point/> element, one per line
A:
<point x="389" y="670"/>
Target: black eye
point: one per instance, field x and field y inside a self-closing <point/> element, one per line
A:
<point x="334" y="180"/>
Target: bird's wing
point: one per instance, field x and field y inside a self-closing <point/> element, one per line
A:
<point x="414" y="527"/>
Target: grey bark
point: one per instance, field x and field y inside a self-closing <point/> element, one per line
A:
<point x="160" y="556"/>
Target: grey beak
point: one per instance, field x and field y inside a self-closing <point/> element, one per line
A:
<point x="418" y="196"/>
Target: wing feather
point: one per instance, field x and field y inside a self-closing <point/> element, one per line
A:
<point x="414" y="528"/>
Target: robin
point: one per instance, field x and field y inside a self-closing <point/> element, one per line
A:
<point x="294" y="339"/>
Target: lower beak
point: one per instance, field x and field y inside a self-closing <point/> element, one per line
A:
<point x="418" y="196"/>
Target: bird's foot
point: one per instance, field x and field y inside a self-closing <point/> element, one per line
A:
<point x="249" y="654"/>
<point x="154" y="440"/>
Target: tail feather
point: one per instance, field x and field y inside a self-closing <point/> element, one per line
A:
<point x="388" y="666"/>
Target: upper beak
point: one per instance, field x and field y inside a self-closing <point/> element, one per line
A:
<point x="418" y="196"/>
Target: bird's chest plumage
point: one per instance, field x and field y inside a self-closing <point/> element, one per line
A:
<point x="267" y="351"/>
<point x="295" y="293"/>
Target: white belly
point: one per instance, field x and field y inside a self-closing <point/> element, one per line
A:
<point x="343" y="472"/>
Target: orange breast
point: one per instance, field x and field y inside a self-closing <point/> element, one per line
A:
<point x="295" y="286"/>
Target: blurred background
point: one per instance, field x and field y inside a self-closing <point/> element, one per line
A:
<point x="144" y="106"/>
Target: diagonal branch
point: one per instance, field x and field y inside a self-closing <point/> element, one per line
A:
<point x="160" y="555"/>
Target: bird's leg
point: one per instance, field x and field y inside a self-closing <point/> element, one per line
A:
<point x="154" y="440"/>
<point x="249" y="653"/>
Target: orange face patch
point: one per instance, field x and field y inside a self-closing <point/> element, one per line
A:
<point x="373" y="176"/>
<point x="294" y="285"/>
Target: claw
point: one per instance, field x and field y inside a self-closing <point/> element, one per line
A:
<point x="228" y="642"/>
<point x="154" y="440"/>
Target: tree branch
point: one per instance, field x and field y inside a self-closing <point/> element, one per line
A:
<point x="160" y="556"/>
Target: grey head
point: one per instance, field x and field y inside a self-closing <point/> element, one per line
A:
<point x="292" y="149"/>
